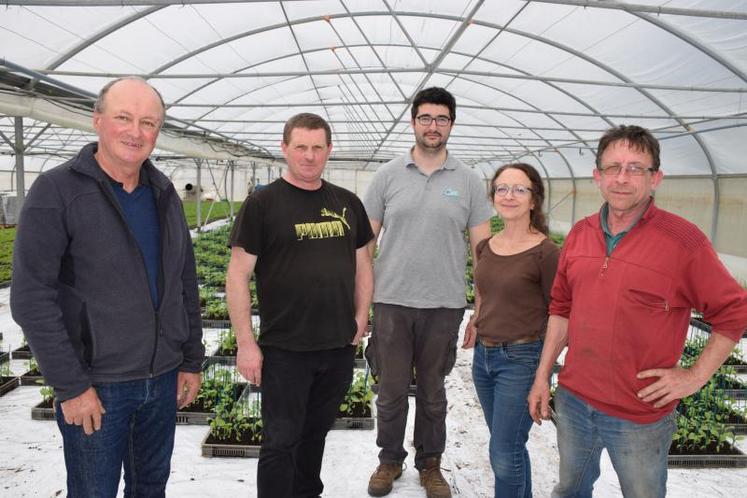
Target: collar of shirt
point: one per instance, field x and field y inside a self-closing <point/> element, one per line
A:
<point x="612" y="240"/>
<point x="450" y="163"/>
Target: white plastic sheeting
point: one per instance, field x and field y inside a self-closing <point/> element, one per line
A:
<point x="531" y="77"/>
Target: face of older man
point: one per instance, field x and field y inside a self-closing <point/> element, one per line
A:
<point x="626" y="193"/>
<point x="128" y="125"/>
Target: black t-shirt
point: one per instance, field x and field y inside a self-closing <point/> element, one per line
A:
<point x="305" y="242"/>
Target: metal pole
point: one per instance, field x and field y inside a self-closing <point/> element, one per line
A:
<point x="231" y="164"/>
<point x="20" y="170"/>
<point x="199" y="195"/>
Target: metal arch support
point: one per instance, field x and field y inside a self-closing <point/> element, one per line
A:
<point x="565" y="160"/>
<point x="706" y="151"/>
<point x="102" y="34"/>
<point x="653" y="9"/>
<point x="431" y="68"/>
<point x="20" y="169"/>
<point x="198" y="188"/>
<point x="232" y="165"/>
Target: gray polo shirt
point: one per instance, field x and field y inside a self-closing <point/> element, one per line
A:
<point x="423" y="250"/>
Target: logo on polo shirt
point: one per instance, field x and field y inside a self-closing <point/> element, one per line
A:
<point x="450" y="192"/>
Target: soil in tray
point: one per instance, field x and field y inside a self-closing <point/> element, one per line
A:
<point x="34" y="372"/>
<point x="709" y="450"/>
<point x="22" y="349"/>
<point x="47" y="403"/>
<point x="248" y="438"/>
<point x="735" y="418"/>
<point x="731" y="384"/>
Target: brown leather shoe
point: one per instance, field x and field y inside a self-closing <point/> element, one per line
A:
<point x="433" y="481"/>
<point x="382" y="480"/>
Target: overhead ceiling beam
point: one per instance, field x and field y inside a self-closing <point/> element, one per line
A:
<point x="650" y="9"/>
<point x="369" y="71"/>
<point x="41" y="110"/>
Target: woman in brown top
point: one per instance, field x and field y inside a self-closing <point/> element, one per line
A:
<point x="514" y="271"/>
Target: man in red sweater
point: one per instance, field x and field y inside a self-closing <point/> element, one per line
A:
<point x="627" y="280"/>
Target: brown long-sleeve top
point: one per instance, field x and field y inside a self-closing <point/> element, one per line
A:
<point x="514" y="291"/>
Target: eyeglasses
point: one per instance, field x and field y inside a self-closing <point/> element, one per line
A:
<point x="502" y="190"/>
<point x="427" y="119"/>
<point x="632" y="169"/>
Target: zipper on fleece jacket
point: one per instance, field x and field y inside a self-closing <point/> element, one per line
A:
<point x="156" y="316"/>
<point x="605" y="265"/>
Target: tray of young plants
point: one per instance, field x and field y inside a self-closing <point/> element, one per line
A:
<point x="355" y="410"/>
<point x="236" y="431"/>
<point x="220" y="386"/>
<point x="44" y="410"/>
<point x="8" y="381"/>
<point x="727" y="377"/>
<point x="33" y="376"/>
<point x="705" y="435"/>
<point x="360" y="359"/>
<point x="22" y="352"/>
<point x="227" y="347"/>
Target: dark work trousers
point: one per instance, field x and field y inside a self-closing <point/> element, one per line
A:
<point x="426" y="339"/>
<point x="301" y="394"/>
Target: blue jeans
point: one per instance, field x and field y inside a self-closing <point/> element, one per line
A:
<point x="301" y="395"/>
<point x="638" y="451"/>
<point x="137" y="432"/>
<point x="503" y="376"/>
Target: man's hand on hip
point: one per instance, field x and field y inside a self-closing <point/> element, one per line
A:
<point x="249" y="362"/>
<point x="85" y="409"/>
<point x="674" y="383"/>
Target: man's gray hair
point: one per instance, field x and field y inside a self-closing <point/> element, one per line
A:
<point x="98" y="106"/>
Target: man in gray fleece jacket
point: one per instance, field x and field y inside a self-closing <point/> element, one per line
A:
<point x="105" y="289"/>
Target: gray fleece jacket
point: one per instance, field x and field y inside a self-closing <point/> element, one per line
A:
<point x="80" y="287"/>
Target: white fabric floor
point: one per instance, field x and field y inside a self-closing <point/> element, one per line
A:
<point x="31" y="461"/>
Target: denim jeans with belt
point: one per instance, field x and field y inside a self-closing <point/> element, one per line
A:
<point x="503" y="376"/>
<point x="137" y="432"/>
<point x="301" y="395"/>
<point x="638" y="451"/>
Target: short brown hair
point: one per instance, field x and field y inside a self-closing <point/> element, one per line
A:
<point x="636" y="137"/>
<point x="308" y="121"/>
<point x="98" y="106"/>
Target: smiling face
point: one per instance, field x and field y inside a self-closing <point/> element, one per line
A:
<point x="626" y="194"/>
<point x="513" y="207"/>
<point x="127" y="125"/>
<point x="306" y="154"/>
<point x="431" y="138"/>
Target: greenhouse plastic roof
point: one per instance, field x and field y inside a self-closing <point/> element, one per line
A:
<point x="538" y="80"/>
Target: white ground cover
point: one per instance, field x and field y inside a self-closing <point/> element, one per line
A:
<point x="31" y="461"/>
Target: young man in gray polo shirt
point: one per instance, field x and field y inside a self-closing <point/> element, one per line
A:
<point x="424" y="200"/>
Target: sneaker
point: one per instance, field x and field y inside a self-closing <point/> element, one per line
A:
<point x="433" y="481"/>
<point x="382" y="480"/>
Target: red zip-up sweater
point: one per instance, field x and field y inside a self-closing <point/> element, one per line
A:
<point x="630" y="311"/>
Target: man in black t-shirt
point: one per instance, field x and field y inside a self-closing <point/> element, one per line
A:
<point x="305" y="239"/>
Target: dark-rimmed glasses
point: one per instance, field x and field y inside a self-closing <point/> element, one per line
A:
<point x="427" y="119"/>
